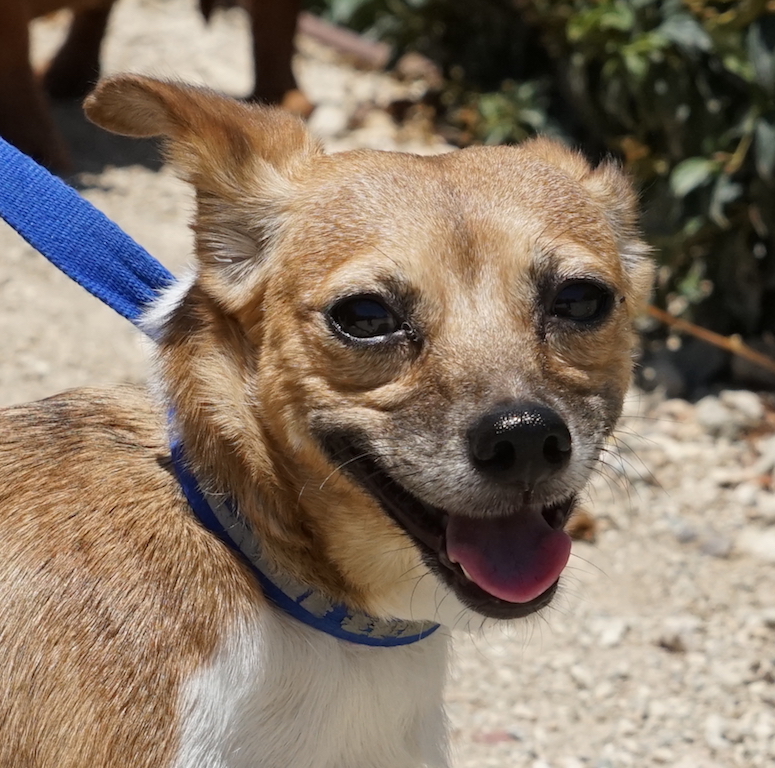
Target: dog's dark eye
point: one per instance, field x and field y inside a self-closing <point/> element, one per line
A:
<point x="363" y="317"/>
<point x="581" y="301"/>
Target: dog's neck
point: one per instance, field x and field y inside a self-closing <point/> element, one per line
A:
<point x="307" y="604"/>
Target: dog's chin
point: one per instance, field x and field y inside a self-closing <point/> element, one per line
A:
<point x="441" y="537"/>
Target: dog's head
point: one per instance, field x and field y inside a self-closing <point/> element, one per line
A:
<point x="403" y="368"/>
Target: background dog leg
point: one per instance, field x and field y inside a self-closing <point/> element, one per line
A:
<point x="274" y="28"/>
<point x="76" y="67"/>
<point x="25" y="120"/>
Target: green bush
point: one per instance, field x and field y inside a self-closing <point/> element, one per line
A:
<point x="683" y="91"/>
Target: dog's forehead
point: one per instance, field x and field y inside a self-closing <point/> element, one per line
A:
<point x="455" y="184"/>
<point x="466" y="212"/>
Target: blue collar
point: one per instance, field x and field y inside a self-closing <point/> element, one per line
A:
<point x="98" y="255"/>
<point x="308" y="605"/>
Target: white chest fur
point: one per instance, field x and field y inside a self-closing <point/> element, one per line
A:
<point x="279" y="694"/>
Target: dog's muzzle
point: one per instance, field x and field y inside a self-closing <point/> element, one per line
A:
<point x="502" y="566"/>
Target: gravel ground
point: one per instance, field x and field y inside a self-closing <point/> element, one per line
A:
<point x="661" y="648"/>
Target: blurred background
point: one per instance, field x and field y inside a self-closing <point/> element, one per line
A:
<point x="661" y="648"/>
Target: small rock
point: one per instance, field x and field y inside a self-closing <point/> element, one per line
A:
<point x="768" y="618"/>
<point x="570" y="762"/>
<point x="746" y="494"/>
<point x="764" y="728"/>
<point x="522" y="712"/>
<point x="673" y="643"/>
<point x="604" y="690"/>
<point x="674" y="410"/>
<point x="581" y="676"/>
<point x="40" y="368"/>
<point x="582" y="526"/>
<point x="676" y="632"/>
<point x="764" y="508"/>
<point x="747" y="405"/>
<point x="715" y="418"/>
<point x="766" y="461"/>
<point x="664" y="756"/>
<point x="611" y="630"/>
<point x="727" y="478"/>
<point x="729" y="414"/>
<point x="757" y="542"/>
<point x="717" y="546"/>
<point x="714" y="732"/>
<point x="684" y="622"/>
<point x="684" y="531"/>
<point x="328" y="120"/>
<point x="414" y="66"/>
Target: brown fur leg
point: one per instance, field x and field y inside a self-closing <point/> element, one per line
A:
<point x="25" y="120"/>
<point x="75" y="69"/>
<point x="274" y="27"/>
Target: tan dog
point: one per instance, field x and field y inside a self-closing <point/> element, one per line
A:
<point x="25" y="119"/>
<point x="399" y="369"/>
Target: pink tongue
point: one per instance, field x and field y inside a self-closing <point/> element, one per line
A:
<point x="515" y="558"/>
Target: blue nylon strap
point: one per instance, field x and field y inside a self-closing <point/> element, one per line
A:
<point x="335" y="620"/>
<point x="73" y="235"/>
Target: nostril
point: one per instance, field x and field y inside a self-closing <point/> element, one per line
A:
<point x="557" y="450"/>
<point x="499" y="458"/>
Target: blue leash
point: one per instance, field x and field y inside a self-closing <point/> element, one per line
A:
<point x="98" y="255"/>
<point x="74" y="236"/>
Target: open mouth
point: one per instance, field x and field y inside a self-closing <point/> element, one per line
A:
<point x="503" y="567"/>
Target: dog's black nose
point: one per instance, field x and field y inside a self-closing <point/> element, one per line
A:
<point x="520" y="444"/>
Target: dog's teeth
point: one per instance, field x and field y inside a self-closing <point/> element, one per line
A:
<point x="465" y="572"/>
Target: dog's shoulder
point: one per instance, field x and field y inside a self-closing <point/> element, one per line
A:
<point x="86" y="480"/>
<point x="78" y="421"/>
<point x="87" y="449"/>
<point x="113" y="579"/>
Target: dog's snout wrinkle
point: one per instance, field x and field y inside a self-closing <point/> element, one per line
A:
<point x="520" y="443"/>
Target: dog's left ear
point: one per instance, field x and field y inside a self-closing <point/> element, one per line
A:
<point x="242" y="160"/>
<point x="613" y="191"/>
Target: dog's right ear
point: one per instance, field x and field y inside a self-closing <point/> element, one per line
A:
<point x="209" y="137"/>
<point x="241" y="159"/>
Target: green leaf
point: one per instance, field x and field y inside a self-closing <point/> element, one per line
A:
<point x="617" y="16"/>
<point x="725" y="191"/>
<point x="765" y="147"/>
<point x="739" y="66"/>
<point x="693" y="225"/>
<point x="636" y="65"/>
<point x="620" y="17"/>
<point x="690" y="174"/>
<point x="686" y="32"/>
<point x="761" y="51"/>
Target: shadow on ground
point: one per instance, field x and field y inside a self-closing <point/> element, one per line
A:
<point x="93" y="149"/>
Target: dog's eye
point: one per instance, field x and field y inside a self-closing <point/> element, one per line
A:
<point x="363" y="317"/>
<point x="581" y="301"/>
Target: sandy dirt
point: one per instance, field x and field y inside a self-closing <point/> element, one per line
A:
<point x="661" y="648"/>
